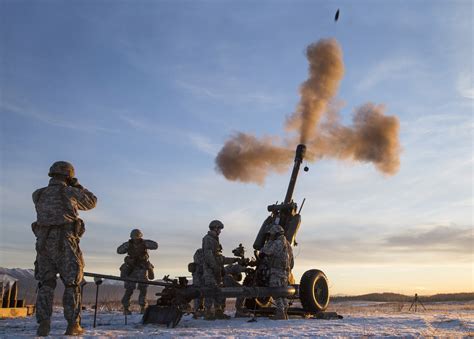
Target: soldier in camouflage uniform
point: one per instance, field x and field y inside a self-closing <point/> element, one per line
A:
<point x="58" y="229"/>
<point x="278" y="253"/>
<point x="214" y="263"/>
<point x="136" y="266"/>
<point x="197" y="270"/>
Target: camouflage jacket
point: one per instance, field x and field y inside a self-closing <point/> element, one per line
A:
<point x="137" y="250"/>
<point x="279" y="255"/>
<point x="198" y="260"/>
<point x="211" y="251"/>
<point x="58" y="203"/>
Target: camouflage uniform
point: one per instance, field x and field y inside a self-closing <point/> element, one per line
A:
<point x="279" y="255"/>
<point x="198" y="278"/>
<point x="136" y="266"/>
<point x="58" y="230"/>
<point x="213" y="268"/>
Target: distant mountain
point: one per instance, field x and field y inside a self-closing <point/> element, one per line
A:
<point x="112" y="291"/>
<point x="394" y="297"/>
<point x="18" y="273"/>
<point x="109" y="290"/>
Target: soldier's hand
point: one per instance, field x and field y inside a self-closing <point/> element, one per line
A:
<point x="75" y="183"/>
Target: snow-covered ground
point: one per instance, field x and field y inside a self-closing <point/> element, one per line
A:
<point x="382" y="319"/>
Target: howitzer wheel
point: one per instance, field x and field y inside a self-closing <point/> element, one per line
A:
<point x="314" y="291"/>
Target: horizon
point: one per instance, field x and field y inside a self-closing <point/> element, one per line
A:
<point x="140" y="99"/>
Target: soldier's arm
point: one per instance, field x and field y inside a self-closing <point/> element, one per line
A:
<point x="229" y="260"/>
<point x="151" y="245"/>
<point x="85" y="199"/>
<point x="36" y="195"/>
<point x="234" y="269"/>
<point x="122" y="249"/>
<point x="290" y="255"/>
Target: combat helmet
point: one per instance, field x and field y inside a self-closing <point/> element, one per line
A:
<point x="136" y="234"/>
<point x="63" y="168"/>
<point x="276" y="229"/>
<point x="216" y="224"/>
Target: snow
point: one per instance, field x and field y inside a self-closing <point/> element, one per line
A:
<point x="441" y="319"/>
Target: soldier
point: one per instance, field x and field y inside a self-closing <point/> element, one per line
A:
<point x="136" y="266"/>
<point x="197" y="269"/>
<point x="214" y="263"/>
<point x="279" y="256"/>
<point x="58" y="229"/>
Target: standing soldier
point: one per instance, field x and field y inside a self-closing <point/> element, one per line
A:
<point x="58" y="229"/>
<point x="136" y="266"/>
<point x="214" y="263"/>
<point x="279" y="255"/>
<point x="196" y="268"/>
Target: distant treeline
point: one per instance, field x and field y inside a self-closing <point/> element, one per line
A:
<point x="392" y="297"/>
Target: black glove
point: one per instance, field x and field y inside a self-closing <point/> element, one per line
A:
<point x="73" y="182"/>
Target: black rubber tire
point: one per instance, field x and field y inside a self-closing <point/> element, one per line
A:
<point x="314" y="291"/>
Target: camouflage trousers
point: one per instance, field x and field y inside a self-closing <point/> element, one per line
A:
<point x="213" y="279"/>
<point x="198" y="281"/>
<point x="139" y="274"/>
<point x="279" y="279"/>
<point x="57" y="251"/>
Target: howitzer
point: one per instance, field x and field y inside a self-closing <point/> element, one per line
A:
<point x="314" y="287"/>
<point x="177" y="294"/>
<point x="313" y="290"/>
<point x="285" y="214"/>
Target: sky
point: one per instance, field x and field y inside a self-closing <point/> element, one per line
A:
<point x="141" y="95"/>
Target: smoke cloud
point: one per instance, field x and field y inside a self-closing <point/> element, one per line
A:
<point x="325" y="72"/>
<point x="246" y="158"/>
<point x="372" y="137"/>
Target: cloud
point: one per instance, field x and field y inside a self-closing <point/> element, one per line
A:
<point x="173" y="134"/>
<point x="203" y="144"/>
<point x="451" y="239"/>
<point x="422" y="244"/>
<point x="229" y="90"/>
<point x="388" y="70"/>
<point x="465" y="85"/>
<point x="29" y="112"/>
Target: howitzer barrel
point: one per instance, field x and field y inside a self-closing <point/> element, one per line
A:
<point x="299" y="156"/>
<point x="113" y="277"/>
<point x="243" y="291"/>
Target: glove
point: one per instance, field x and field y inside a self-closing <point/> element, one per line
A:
<point x="73" y="182"/>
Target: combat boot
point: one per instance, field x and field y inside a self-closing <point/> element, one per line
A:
<point x="209" y="315"/>
<point x="221" y="315"/>
<point x="74" y="329"/>
<point x="43" y="328"/>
